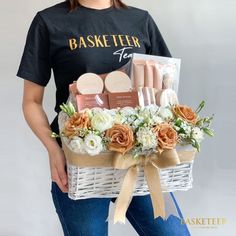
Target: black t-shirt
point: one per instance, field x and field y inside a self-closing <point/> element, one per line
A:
<point x="85" y="40"/>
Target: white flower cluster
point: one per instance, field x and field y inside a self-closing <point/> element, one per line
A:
<point x="140" y="120"/>
<point x="188" y="133"/>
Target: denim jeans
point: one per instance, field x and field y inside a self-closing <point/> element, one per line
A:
<point x="87" y="217"/>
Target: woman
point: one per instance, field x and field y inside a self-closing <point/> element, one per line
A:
<point x="72" y="38"/>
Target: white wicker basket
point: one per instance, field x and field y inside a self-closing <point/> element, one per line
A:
<point x="86" y="182"/>
<point x="106" y="182"/>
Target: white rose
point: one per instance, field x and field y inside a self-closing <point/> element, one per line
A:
<point x="93" y="144"/>
<point x="165" y="113"/>
<point x="102" y="121"/>
<point x="197" y="134"/>
<point x="77" y="145"/>
<point x="146" y="138"/>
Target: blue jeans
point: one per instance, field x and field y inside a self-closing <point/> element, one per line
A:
<point x="87" y="217"/>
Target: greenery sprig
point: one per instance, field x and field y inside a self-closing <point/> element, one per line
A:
<point x="69" y="108"/>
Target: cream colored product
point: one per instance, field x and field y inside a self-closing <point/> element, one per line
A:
<point x="140" y="97"/>
<point x="152" y="95"/>
<point x="90" y="83"/>
<point x="166" y="97"/>
<point x="146" y="96"/>
<point x="148" y="74"/>
<point x="167" y="81"/>
<point x="157" y="76"/>
<point x="138" y="74"/>
<point x="118" y="82"/>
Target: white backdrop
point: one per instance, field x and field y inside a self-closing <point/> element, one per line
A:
<point x="201" y="33"/>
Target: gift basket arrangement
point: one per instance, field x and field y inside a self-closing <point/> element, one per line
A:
<point x="125" y="134"/>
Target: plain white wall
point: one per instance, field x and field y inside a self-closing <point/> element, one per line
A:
<point x="201" y="33"/>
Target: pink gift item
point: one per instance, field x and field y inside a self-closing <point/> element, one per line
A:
<point x="90" y="83"/>
<point x="91" y="101"/>
<point x="157" y="76"/>
<point x="138" y="74"/>
<point x="148" y="74"/>
<point x="117" y="82"/>
<point x="166" y="97"/>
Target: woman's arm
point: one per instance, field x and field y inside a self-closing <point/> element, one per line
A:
<point x="37" y="120"/>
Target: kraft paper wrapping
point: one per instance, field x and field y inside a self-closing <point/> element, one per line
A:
<point x="151" y="165"/>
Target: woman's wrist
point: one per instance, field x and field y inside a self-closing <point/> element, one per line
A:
<point x="52" y="146"/>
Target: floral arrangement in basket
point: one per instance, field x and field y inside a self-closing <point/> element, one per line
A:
<point x="138" y="131"/>
<point x="126" y="138"/>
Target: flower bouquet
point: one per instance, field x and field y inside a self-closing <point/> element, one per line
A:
<point x="137" y="131"/>
<point x="152" y="137"/>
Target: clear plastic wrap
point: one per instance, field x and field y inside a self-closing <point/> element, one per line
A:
<point x="154" y="71"/>
<point x="154" y="79"/>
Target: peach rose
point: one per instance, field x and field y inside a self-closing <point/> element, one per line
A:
<point x="185" y="112"/>
<point x="167" y="137"/>
<point x="76" y="122"/>
<point x="122" y="138"/>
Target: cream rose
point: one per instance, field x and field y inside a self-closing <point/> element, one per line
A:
<point x="102" y="121"/>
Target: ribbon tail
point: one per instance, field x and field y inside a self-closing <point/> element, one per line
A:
<point x="171" y="208"/>
<point x="124" y="197"/>
<point x="153" y="180"/>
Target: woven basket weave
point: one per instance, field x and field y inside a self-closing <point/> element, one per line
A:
<point x="106" y="182"/>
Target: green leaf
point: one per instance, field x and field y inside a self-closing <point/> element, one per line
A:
<point x="178" y="122"/>
<point x="69" y="108"/>
<point x="209" y="132"/>
<point x="201" y="105"/>
<point x="195" y="144"/>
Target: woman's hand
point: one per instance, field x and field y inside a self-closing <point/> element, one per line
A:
<point x="37" y="120"/>
<point x="58" y="172"/>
